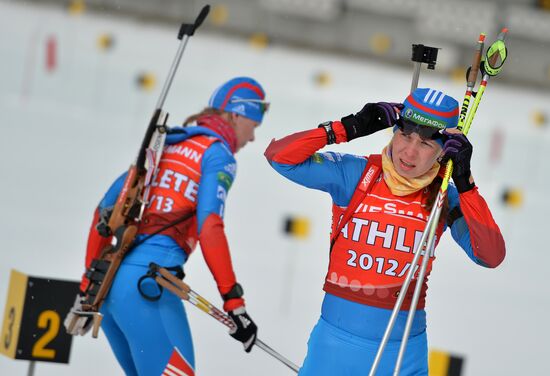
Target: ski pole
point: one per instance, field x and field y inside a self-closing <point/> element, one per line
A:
<point x="401" y="297"/>
<point x="471" y="80"/>
<point x="492" y="65"/>
<point x="431" y="225"/>
<point x="491" y="60"/>
<point x="184" y="291"/>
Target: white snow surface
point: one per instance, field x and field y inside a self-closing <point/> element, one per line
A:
<point x="66" y="134"/>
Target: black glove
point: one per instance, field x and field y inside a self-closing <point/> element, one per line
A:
<point x="245" y="330"/>
<point x="459" y="150"/>
<point x="372" y="118"/>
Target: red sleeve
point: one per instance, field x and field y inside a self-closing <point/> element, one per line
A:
<point x="216" y="254"/>
<point x="486" y="239"/>
<point x="96" y="243"/>
<point x="298" y="147"/>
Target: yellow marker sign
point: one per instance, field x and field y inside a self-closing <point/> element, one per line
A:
<point x="32" y="328"/>
<point x="442" y="363"/>
<point x="147" y="81"/>
<point x="323" y="78"/>
<point x="298" y="227"/>
<point x="539" y="118"/>
<point x="259" y="41"/>
<point x="105" y="42"/>
<point x="13" y="313"/>
<point x="380" y="43"/>
<point x="77" y="7"/>
<point x="219" y="15"/>
<point x="512" y="197"/>
<point x="544" y="4"/>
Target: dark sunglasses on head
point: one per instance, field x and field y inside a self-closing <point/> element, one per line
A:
<point x="264" y="106"/>
<point x="425" y="132"/>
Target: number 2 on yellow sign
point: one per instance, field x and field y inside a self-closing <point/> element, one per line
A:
<point x="47" y="320"/>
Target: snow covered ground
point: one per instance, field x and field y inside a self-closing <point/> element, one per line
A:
<point x="66" y="134"/>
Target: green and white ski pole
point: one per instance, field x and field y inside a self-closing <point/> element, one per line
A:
<point x="492" y="67"/>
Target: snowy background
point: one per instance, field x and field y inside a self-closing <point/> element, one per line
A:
<point x="66" y="133"/>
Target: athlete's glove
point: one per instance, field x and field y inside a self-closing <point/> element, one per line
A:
<point x="245" y="330"/>
<point x="372" y="118"/>
<point x="458" y="149"/>
<point x="74" y="323"/>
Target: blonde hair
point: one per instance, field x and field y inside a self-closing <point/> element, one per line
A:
<point x="206" y="111"/>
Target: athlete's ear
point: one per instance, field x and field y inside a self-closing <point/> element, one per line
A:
<point x="234" y="117"/>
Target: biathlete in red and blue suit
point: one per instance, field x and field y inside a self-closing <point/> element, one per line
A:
<point x="372" y="253"/>
<point x="195" y="173"/>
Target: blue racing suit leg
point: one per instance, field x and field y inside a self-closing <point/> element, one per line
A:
<point x="333" y="351"/>
<point x="148" y="330"/>
<point x="118" y="343"/>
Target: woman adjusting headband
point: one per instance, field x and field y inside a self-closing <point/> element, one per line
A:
<point x="381" y="206"/>
<point x="427" y="112"/>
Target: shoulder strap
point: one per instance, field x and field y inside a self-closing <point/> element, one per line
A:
<point x="205" y="140"/>
<point x="370" y="174"/>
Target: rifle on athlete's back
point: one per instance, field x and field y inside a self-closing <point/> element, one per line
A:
<point x="126" y="215"/>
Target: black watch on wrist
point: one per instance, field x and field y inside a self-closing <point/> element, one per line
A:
<point x="235" y="292"/>
<point x="331" y="136"/>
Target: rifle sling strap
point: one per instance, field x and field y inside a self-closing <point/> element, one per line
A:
<point x="368" y="178"/>
<point x="165" y="227"/>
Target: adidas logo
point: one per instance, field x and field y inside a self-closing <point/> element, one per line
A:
<point x="434" y="97"/>
<point x="244" y="321"/>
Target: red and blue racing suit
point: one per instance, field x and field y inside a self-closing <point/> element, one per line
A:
<point x="371" y="256"/>
<point x="195" y="173"/>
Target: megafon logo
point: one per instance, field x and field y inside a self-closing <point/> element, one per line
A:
<point x="408" y="113"/>
<point x="427" y="121"/>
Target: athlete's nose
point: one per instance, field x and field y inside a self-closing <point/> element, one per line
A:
<point x="410" y="150"/>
